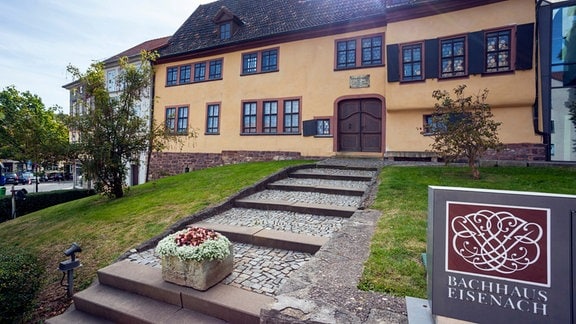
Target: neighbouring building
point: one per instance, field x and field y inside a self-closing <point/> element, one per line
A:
<point x="137" y="170"/>
<point x="557" y="64"/>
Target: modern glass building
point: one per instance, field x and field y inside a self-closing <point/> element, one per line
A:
<point x="557" y="49"/>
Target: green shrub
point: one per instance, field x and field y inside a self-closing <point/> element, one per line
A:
<point x="40" y="200"/>
<point x="20" y="282"/>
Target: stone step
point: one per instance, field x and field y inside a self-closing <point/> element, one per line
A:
<point x="299" y="207"/>
<point x="73" y="316"/>
<point x="135" y="293"/>
<point x="121" y="306"/>
<point x="280" y="220"/>
<point x="346" y="167"/>
<point x="257" y="235"/>
<point x="310" y="173"/>
<point x="321" y="189"/>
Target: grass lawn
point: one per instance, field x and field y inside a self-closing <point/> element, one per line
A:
<point x="106" y="228"/>
<point x="395" y="264"/>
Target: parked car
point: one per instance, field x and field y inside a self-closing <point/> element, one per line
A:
<point x="55" y="176"/>
<point x="11" y="178"/>
<point x="26" y="178"/>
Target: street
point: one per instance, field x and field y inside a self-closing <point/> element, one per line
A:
<point x="42" y="186"/>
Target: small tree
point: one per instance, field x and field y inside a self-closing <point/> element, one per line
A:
<point x="111" y="132"/>
<point x="463" y="127"/>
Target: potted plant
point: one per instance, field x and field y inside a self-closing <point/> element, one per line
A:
<point x="195" y="257"/>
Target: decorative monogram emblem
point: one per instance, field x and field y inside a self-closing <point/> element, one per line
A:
<point x="496" y="241"/>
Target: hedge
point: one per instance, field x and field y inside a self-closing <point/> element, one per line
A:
<point x="40" y="200"/>
<point x="20" y="282"/>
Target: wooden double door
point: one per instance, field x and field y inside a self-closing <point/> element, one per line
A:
<point x="360" y="125"/>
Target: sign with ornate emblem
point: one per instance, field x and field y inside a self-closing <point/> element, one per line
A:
<point x="501" y="256"/>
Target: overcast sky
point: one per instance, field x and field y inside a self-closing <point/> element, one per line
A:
<point x="39" y="38"/>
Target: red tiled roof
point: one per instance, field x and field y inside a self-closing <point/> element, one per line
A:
<point x="150" y="45"/>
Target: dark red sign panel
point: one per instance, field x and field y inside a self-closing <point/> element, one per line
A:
<point x="497" y="241"/>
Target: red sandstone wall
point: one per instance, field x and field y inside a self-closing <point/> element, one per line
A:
<point x="518" y="152"/>
<point x="166" y="164"/>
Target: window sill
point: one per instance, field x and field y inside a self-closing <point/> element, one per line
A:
<point x="178" y="134"/>
<point x="193" y="82"/>
<point x="336" y="69"/>
<point x="412" y="81"/>
<point x="497" y="73"/>
<point x="451" y="77"/>
<point x="270" y="134"/>
<point x="260" y="72"/>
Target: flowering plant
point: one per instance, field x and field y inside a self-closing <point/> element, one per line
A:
<point x="195" y="243"/>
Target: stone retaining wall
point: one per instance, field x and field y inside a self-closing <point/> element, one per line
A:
<point x="518" y="152"/>
<point x="164" y="164"/>
<point x="510" y="152"/>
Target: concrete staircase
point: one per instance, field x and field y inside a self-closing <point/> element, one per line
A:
<point x="128" y="292"/>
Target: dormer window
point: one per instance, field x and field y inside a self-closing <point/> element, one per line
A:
<point x="228" y="23"/>
<point x="225" y="30"/>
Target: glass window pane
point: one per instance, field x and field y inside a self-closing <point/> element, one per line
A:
<point x="446" y="66"/>
<point x="459" y="65"/>
<point x="215" y="70"/>
<point x="270" y="60"/>
<point x="172" y="76"/>
<point x="250" y="63"/>
<point x="446" y="50"/>
<point x="563" y="138"/>
<point x="453" y="57"/>
<point x="407" y="55"/>
<point x="416" y="54"/>
<point x="199" y="71"/>
<point x="504" y="42"/>
<point x="498" y="51"/>
<point x="291" y="116"/>
<point x="185" y="74"/>
<point x="459" y="48"/>
<point x="417" y="70"/>
<point x="491" y="43"/>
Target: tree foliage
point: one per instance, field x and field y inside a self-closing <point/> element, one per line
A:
<point x="29" y="130"/>
<point x="111" y="132"/>
<point x="463" y="127"/>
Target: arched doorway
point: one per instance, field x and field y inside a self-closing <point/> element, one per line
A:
<point x="360" y="125"/>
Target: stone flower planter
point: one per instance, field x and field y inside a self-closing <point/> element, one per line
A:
<point x="196" y="258"/>
<point x="200" y="275"/>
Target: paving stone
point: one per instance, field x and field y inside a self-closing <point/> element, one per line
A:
<point x="307" y="197"/>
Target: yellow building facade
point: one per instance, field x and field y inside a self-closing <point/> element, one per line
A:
<point x="326" y="89"/>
